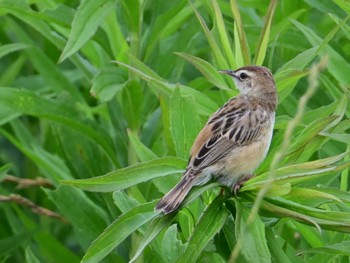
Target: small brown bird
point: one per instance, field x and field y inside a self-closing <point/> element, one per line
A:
<point x="234" y="141"/>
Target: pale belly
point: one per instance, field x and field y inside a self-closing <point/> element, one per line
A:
<point x="243" y="161"/>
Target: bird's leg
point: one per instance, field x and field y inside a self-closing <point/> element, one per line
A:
<point x="238" y="185"/>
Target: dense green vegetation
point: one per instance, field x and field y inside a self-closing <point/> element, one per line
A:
<point x="102" y="100"/>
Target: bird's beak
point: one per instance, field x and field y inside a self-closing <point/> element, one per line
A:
<point x="228" y="72"/>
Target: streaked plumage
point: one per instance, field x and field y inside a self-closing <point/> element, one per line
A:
<point x="234" y="141"/>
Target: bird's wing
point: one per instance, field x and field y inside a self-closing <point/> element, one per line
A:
<point x="234" y="125"/>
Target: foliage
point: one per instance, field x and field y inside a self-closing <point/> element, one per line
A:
<point x="107" y="96"/>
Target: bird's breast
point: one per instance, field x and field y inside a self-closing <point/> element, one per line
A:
<point x="245" y="159"/>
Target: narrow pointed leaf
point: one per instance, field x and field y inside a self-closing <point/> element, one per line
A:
<point x="184" y="123"/>
<point x="342" y="248"/>
<point x="155" y="227"/>
<point x="87" y="19"/>
<point x="118" y="231"/>
<point x="17" y="102"/>
<point x="225" y="41"/>
<point x="337" y="65"/>
<point x="219" y="56"/>
<point x="130" y="176"/>
<point x="251" y="236"/>
<point x="210" y="223"/>
<point x="208" y="71"/>
<point x="241" y="44"/>
<point x="311" y="131"/>
<point x="9" y="48"/>
<point x="204" y="105"/>
<point x="265" y="34"/>
<point x="294" y="174"/>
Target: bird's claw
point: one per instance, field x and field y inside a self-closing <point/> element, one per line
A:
<point x="237" y="186"/>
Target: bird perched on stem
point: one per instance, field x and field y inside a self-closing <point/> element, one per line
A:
<point x="234" y="141"/>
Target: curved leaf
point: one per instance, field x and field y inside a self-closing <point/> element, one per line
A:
<point x="17" y="102"/>
<point x="132" y="175"/>
<point x="118" y="231"/>
<point x="210" y="223"/>
<point x="251" y="236"/>
<point x="86" y="21"/>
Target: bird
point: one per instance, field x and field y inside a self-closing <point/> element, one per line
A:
<point x="235" y="139"/>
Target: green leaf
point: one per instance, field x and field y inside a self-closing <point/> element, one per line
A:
<point x="338" y="137"/>
<point x="42" y="62"/>
<point x="142" y="151"/>
<point x="6" y="49"/>
<point x="314" y="197"/>
<point x="337" y="65"/>
<point x="300" y="61"/>
<point x="22" y="11"/>
<point x="4" y="170"/>
<point x="117" y="41"/>
<point x="208" y="71"/>
<point x="269" y="209"/>
<point x="275" y="244"/>
<point x="285" y="24"/>
<point x="123" y="201"/>
<point x="171" y="245"/>
<point x="296" y="173"/>
<point x="265" y="34"/>
<point x="320" y="218"/>
<point x="241" y="43"/>
<point x="154" y="228"/>
<point x="323" y="111"/>
<point x="30" y="256"/>
<point x="344" y="5"/>
<point x="204" y="104"/>
<point x="197" y="191"/>
<point x="312" y="130"/>
<point x="130" y="176"/>
<point x="218" y="55"/>
<point x="120" y="229"/>
<point x="9" y="75"/>
<point x="224" y="38"/>
<point x="167" y="23"/>
<point x="342" y="248"/>
<point x="186" y="220"/>
<point x="311" y="235"/>
<point x="88" y="219"/>
<point x="48" y="244"/>
<point x="19" y="102"/>
<point x="49" y="164"/>
<point x="11" y="243"/>
<point x="251" y="236"/>
<point x="209" y="224"/>
<point x="286" y="81"/>
<point x="184" y="123"/>
<point x="132" y="98"/>
<point x="87" y="19"/>
<point x="106" y="83"/>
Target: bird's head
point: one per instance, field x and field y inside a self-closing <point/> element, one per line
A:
<point x="252" y="79"/>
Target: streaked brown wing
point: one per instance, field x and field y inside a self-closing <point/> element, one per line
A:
<point x="234" y="125"/>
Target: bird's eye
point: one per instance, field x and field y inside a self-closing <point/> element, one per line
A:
<point x="243" y="76"/>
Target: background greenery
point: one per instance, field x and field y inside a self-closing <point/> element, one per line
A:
<point x="67" y="112"/>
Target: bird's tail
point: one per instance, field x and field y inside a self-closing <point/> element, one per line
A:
<point x="172" y="200"/>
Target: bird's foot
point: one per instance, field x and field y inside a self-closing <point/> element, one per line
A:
<point x="237" y="186"/>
